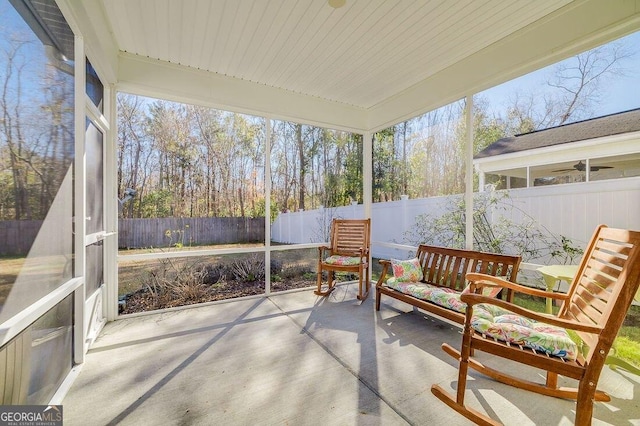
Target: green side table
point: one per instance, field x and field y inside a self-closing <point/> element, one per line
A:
<point x="553" y="274"/>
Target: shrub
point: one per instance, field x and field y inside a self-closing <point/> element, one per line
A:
<point x="275" y="266"/>
<point x="249" y="269"/>
<point x="309" y="275"/>
<point x="293" y="271"/>
<point x="493" y="231"/>
<point x="178" y="281"/>
<point x="214" y="273"/>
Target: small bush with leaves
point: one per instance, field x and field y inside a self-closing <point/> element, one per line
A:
<point x="526" y="237"/>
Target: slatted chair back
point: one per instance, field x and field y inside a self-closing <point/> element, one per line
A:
<point x="604" y="287"/>
<point x="349" y="252"/>
<point x="350" y="236"/>
<point x="448" y="267"/>
<point x="594" y="308"/>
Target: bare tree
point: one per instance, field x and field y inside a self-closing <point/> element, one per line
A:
<point x="579" y="81"/>
<point x="574" y="89"/>
<point x="11" y="128"/>
<point x="134" y="156"/>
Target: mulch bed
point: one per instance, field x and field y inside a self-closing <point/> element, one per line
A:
<point x="144" y="300"/>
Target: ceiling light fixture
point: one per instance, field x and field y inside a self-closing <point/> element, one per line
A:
<point x="336" y="4"/>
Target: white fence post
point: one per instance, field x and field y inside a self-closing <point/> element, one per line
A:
<point x="322" y="223"/>
<point x="404" y="205"/>
<point x="301" y="238"/>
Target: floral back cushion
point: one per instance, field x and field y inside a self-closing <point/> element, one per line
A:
<point x="407" y="270"/>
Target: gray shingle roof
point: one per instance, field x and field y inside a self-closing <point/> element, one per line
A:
<point x="614" y="124"/>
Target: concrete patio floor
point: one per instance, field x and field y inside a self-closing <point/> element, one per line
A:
<point x="299" y="359"/>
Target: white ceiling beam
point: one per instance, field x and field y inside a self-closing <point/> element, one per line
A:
<point x="158" y="79"/>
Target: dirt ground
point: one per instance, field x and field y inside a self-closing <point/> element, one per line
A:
<point x="144" y="300"/>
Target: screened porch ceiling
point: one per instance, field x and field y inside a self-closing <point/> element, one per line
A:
<point x="363" y="66"/>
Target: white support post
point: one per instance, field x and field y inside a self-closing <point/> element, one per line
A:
<point x="367" y="173"/>
<point x="267" y="208"/>
<point x="468" y="181"/>
<point x="367" y="179"/>
<point x="110" y="301"/>
<point x="588" y="170"/>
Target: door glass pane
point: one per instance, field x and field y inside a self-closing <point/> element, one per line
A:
<point x="95" y="265"/>
<point x="51" y="350"/>
<point x="37" y="147"/>
<point x="94" y="88"/>
<point x="37" y="360"/>
<point x="94" y="144"/>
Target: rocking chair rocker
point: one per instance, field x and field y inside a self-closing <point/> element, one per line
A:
<point x="594" y="309"/>
<point x="349" y="252"/>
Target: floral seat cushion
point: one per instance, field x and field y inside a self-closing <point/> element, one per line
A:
<point x="342" y="260"/>
<point x="508" y="327"/>
<point x="441" y="296"/>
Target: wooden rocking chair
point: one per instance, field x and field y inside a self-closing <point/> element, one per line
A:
<point x="349" y="252"/>
<point x="594" y="309"/>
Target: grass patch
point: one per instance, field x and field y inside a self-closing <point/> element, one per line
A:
<point x="627" y="349"/>
<point x="536" y="304"/>
<point x="630" y="332"/>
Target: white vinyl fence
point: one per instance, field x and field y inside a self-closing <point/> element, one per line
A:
<point x="571" y="210"/>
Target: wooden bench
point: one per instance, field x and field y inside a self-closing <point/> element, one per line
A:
<point x="444" y="271"/>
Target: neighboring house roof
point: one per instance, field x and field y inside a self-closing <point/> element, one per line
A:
<point x="614" y="124"/>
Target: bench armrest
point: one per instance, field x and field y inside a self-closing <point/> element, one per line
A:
<point x="385" y="267"/>
<point x="321" y="250"/>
